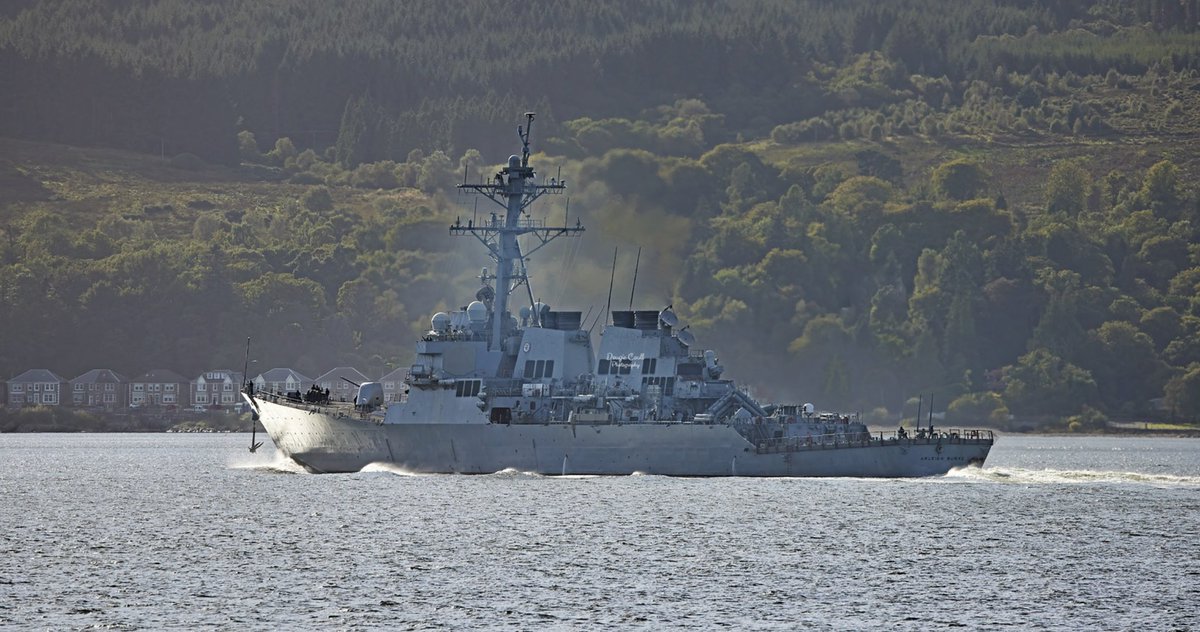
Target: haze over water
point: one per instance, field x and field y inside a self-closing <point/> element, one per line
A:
<point x="190" y="531"/>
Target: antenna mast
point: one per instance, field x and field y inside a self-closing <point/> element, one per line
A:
<point x="514" y="189"/>
<point x="636" y="265"/>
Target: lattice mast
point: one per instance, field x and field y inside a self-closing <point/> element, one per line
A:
<point x="514" y="188"/>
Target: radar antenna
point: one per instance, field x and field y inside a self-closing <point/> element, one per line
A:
<point x="515" y="189"/>
<point x="525" y="138"/>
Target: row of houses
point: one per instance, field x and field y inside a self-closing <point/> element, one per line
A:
<point x="165" y="389"/>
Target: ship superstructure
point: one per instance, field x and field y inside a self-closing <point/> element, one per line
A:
<point x="491" y="390"/>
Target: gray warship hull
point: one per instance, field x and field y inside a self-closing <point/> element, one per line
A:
<point x="327" y="440"/>
<point x="492" y="389"/>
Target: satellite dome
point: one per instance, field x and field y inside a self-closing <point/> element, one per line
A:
<point x="668" y="317"/>
<point x="686" y="337"/>
<point x="441" y="321"/>
<point x="477" y="312"/>
<point x="525" y="313"/>
<point x="514" y="161"/>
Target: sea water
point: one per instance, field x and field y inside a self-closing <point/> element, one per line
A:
<point x="160" y="531"/>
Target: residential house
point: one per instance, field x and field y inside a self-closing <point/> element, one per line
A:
<point x="281" y="381"/>
<point x="216" y="388"/>
<point x="36" y="387"/>
<point x="160" y="387"/>
<point x="394" y="388"/>
<point x="339" y="389"/>
<point x="103" y="388"/>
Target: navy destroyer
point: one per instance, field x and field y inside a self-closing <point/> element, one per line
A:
<point x="491" y="390"/>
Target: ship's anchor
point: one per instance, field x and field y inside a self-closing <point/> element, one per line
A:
<point x="248" y="391"/>
<point x="254" y="446"/>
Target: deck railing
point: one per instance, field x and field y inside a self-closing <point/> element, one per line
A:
<point x="868" y="440"/>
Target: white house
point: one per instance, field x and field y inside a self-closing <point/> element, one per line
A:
<point x="36" y="387"/>
<point x="160" y="387"/>
<point x="99" y="388"/>
<point x="216" y="388"/>
<point x="394" y="388"/>
<point x="282" y="381"/>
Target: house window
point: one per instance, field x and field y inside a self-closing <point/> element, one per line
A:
<point x="18" y="388"/>
<point x="201" y="398"/>
<point x="110" y="398"/>
<point x="228" y="386"/>
<point x="37" y="387"/>
<point x="170" y="388"/>
<point x="168" y="399"/>
<point x="49" y="398"/>
<point x="110" y="387"/>
<point x="78" y="387"/>
<point x="138" y="388"/>
<point x="154" y="387"/>
<point x="200" y="387"/>
<point x="31" y="398"/>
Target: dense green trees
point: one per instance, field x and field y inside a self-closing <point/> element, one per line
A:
<point x="828" y="184"/>
<point x="375" y="80"/>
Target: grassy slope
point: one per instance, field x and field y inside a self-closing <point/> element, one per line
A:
<point x="87" y="184"/>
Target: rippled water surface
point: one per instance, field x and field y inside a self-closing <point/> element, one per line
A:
<point x="191" y="531"/>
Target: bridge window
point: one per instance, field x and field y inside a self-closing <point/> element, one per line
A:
<point x="603" y="367"/>
<point x="529" y="369"/>
<point x="467" y="388"/>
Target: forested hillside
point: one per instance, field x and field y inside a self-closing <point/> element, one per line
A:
<point x="856" y="202"/>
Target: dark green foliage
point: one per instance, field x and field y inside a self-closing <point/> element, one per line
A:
<point x="880" y="165"/>
<point x="960" y="179"/>
<point x="1183" y="393"/>
<point x="872" y="199"/>
<point x="380" y="79"/>
<point x="318" y="200"/>
<point x="1041" y="383"/>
